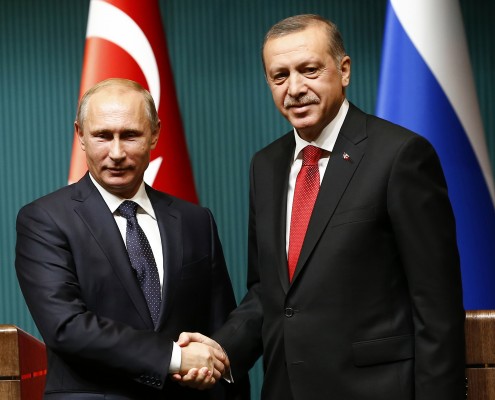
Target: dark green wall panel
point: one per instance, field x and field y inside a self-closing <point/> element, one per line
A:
<point x="40" y="64"/>
<point x="226" y="106"/>
<point x="480" y="30"/>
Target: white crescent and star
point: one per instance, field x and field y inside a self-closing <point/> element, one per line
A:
<point x="108" y="22"/>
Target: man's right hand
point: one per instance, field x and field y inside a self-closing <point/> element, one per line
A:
<point x="203" y="361"/>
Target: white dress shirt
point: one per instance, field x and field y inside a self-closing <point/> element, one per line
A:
<point x="147" y="221"/>
<point x="326" y="141"/>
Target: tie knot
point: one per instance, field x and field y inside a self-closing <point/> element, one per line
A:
<point x="311" y="155"/>
<point x="128" y="209"/>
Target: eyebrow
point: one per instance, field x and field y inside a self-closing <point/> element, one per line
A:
<point x="125" y="131"/>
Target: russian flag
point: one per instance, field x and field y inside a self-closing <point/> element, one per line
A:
<point x="426" y="84"/>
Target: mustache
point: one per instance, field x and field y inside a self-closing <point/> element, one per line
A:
<point x="300" y="101"/>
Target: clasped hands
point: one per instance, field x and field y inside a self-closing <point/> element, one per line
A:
<point x="203" y="361"/>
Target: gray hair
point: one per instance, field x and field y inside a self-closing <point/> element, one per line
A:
<point x="299" y="23"/>
<point x="149" y="104"/>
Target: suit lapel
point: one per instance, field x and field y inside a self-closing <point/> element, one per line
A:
<point x="282" y="161"/>
<point x="345" y="158"/>
<point x="169" y="223"/>
<point x="92" y="209"/>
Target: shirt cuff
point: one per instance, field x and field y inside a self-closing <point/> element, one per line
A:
<point x="175" y="360"/>
<point x="227" y="375"/>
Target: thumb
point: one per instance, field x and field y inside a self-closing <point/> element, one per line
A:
<point x="184" y="339"/>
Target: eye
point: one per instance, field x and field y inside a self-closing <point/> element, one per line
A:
<point x="129" y="135"/>
<point x="279" y="77"/>
<point x="310" y="71"/>
<point x="103" y="135"/>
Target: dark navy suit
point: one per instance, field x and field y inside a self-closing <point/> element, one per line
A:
<point x="77" y="280"/>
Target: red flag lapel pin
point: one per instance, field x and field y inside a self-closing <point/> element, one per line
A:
<point x="346" y="156"/>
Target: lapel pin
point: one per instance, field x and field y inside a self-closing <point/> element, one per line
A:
<point x="346" y="156"/>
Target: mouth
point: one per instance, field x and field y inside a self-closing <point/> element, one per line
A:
<point x="299" y="109"/>
<point x="300" y="103"/>
<point x="116" y="171"/>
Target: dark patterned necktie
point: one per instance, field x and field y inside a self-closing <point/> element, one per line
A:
<point x="142" y="259"/>
<point x="305" y="193"/>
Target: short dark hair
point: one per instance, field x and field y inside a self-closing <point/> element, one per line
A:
<point x="299" y="23"/>
<point x="149" y="104"/>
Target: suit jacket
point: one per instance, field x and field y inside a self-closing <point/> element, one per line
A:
<point x="374" y="310"/>
<point x="77" y="280"/>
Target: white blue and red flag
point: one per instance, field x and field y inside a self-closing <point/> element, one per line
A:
<point x="426" y="84"/>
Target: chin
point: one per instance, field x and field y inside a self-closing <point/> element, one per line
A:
<point x="303" y="125"/>
<point x="304" y="121"/>
<point x="117" y="183"/>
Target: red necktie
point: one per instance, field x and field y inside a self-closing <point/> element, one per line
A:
<point x="307" y="187"/>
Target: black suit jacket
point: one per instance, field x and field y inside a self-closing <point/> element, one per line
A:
<point x="375" y="309"/>
<point x="77" y="280"/>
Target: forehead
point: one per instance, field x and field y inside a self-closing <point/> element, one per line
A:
<point x="311" y="41"/>
<point x="116" y="100"/>
<point x="115" y="95"/>
<point x="112" y="107"/>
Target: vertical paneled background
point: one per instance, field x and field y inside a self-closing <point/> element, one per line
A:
<point x="227" y="110"/>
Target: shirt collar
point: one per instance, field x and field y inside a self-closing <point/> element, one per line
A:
<point x="326" y="140"/>
<point x="113" y="202"/>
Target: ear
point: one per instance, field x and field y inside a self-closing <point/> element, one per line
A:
<point x="345" y="70"/>
<point x="155" y="135"/>
<point x="80" y="135"/>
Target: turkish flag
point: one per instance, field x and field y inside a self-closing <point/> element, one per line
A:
<point x="125" y="39"/>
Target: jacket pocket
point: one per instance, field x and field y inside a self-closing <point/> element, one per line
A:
<point x="384" y="350"/>
<point x="199" y="269"/>
<point x="352" y="216"/>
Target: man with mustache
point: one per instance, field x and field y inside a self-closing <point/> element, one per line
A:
<point x="113" y="270"/>
<point x="354" y="287"/>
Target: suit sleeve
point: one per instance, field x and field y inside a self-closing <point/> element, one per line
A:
<point x="240" y="336"/>
<point x="222" y="295"/>
<point x="424" y="227"/>
<point x="47" y="276"/>
<point x="222" y="303"/>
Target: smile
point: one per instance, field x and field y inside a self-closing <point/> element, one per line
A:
<point x="300" y="108"/>
<point x="116" y="170"/>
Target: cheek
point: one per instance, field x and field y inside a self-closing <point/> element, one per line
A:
<point x="139" y="152"/>
<point x="278" y="94"/>
<point x="278" y="99"/>
<point x="97" y="152"/>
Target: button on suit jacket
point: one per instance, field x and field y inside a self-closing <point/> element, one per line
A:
<point x="78" y="283"/>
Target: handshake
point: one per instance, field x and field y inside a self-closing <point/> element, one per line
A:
<point x="197" y="349"/>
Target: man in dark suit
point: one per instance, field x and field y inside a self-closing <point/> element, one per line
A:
<point x="364" y="301"/>
<point x="108" y="314"/>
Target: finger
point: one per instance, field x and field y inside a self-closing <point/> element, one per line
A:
<point x="203" y="375"/>
<point x="176" y="377"/>
<point x="207" y="384"/>
<point x="187" y="337"/>
<point x="190" y="376"/>
<point x="204" y="379"/>
<point x="199" y="379"/>
<point x="219" y="353"/>
<point x="184" y="339"/>
<point x="200" y="338"/>
<point x="219" y="366"/>
<point x="197" y="337"/>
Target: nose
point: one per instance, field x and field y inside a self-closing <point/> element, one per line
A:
<point x="117" y="151"/>
<point x="296" y="86"/>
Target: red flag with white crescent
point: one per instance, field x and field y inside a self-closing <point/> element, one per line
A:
<point x="126" y="39"/>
